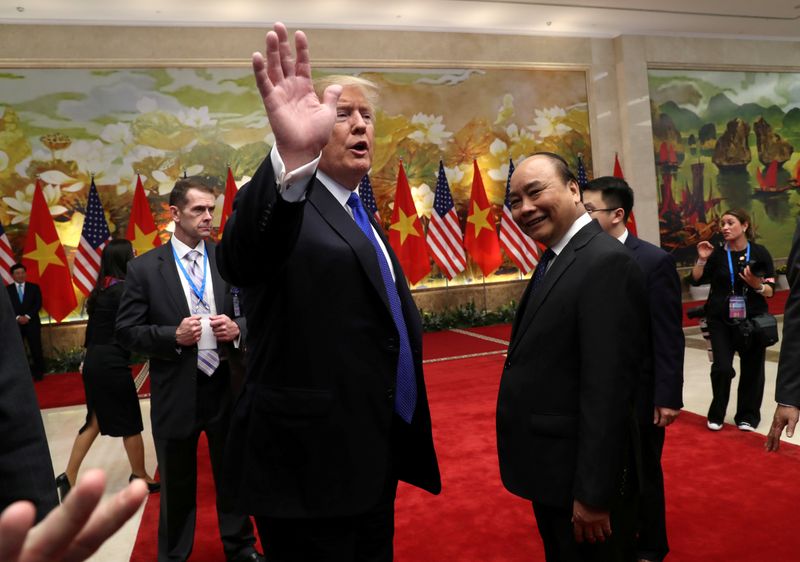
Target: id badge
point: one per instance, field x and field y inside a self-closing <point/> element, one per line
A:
<point x="737" y="307"/>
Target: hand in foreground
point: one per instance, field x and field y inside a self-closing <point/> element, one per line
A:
<point x="74" y="530"/>
<point x="301" y="124"/>
<point x="589" y="524"/>
<point x="785" y="416"/>
<point x="704" y="250"/>
<point x="224" y="328"/>
<point x="662" y="417"/>
<point x="189" y="330"/>
<point x="754" y="281"/>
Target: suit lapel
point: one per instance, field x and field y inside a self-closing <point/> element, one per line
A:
<point x="344" y="225"/>
<point x="561" y="264"/>
<point x="216" y="278"/>
<point x="169" y="273"/>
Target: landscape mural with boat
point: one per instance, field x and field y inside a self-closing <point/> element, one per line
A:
<point x="725" y="140"/>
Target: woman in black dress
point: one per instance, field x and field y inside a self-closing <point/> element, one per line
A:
<point x="742" y="277"/>
<point x="111" y="400"/>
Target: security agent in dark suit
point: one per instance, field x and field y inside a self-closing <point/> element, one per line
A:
<point x="26" y="299"/>
<point x="26" y="471"/>
<point x="178" y="311"/>
<point x="787" y="387"/>
<point x="609" y="201"/>
<point x="566" y="429"/>
<point x="334" y="411"/>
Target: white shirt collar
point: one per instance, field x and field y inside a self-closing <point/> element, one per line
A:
<point x="623" y="237"/>
<point x="579" y="223"/>
<point x="182" y="249"/>
<point x="340" y="192"/>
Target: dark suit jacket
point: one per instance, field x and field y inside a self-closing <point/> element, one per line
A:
<point x="31" y="301"/>
<point x="314" y="433"/>
<point x="787" y="390"/>
<point x="565" y="421"/>
<point x="152" y="307"/>
<point x="662" y="381"/>
<point x="26" y="472"/>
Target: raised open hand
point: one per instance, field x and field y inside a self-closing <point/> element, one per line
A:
<point x="301" y="123"/>
<point x="705" y="249"/>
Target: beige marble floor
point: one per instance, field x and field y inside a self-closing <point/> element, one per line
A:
<point x="108" y="453"/>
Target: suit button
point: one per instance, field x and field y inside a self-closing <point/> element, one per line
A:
<point x="391" y="344"/>
<point x="390" y="393"/>
<point x="508" y="364"/>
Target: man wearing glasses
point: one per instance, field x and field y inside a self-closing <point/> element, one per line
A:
<point x="609" y="201"/>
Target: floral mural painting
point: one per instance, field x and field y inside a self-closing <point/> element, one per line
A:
<point x="66" y="126"/>
<point x="725" y="140"/>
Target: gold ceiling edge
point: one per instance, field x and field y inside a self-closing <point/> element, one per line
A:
<point x="320" y="63"/>
<point x="721" y="67"/>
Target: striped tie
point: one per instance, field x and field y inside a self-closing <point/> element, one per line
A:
<point x="207" y="359"/>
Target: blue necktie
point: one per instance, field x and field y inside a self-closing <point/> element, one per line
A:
<point x="541" y="269"/>
<point x="405" y="398"/>
<point x="20" y="293"/>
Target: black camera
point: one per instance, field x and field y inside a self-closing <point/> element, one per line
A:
<point x="757" y="268"/>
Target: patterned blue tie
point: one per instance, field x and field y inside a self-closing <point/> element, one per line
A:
<point x="541" y="269"/>
<point x="207" y="359"/>
<point x="20" y="293"/>
<point x="405" y="398"/>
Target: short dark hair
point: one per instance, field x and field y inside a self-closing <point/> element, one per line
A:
<point x="743" y="217"/>
<point x="616" y="192"/>
<point x="17" y="266"/>
<point x="177" y="197"/>
<point x="562" y="168"/>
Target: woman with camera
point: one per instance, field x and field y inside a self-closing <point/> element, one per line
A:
<point x="742" y="277"/>
<point x="111" y="401"/>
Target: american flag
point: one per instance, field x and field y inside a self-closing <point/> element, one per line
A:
<point x="582" y="177"/>
<point x="94" y="236"/>
<point x="368" y="198"/>
<point x="445" y="240"/>
<point x="6" y="257"/>
<point x="518" y="246"/>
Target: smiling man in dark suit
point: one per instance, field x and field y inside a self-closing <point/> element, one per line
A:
<point x="178" y="311"/>
<point x="566" y="430"/>
<point x="609" y="201"/>
<point x="334" y="410"/>
<point x="26" y="298"/>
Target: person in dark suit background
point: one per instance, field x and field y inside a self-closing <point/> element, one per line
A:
<point x="178" y="311"/>
<point x="27" y="301"/>
<point x="787" y="388"/>
<point x="609" y="201"/>
<point x="334" y="410"/>
<point x="566" y="429"/>
<point x="26" y="471"/>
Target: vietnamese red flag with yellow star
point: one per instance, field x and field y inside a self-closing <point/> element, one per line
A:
<point x="142" y="230"/>
<point x="227" y="204"/>
<point x="631" y="224"/>
<point x="405" y="233"/>
<point x="480" y="237"/>
<point x="46" y="262"/>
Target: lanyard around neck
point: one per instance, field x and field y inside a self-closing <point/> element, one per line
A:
<point x="202" y="290"/>
<point x="730" y="261"/>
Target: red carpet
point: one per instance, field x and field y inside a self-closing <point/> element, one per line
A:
<point x="776" y="305"/>
<point x="726" y="498"/>
<point x="66" y="389"/>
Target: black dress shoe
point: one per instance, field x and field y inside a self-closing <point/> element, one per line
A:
<point x="63" y="486"/>
<point x="252" y="556"/>
<point x="153" y="487"/>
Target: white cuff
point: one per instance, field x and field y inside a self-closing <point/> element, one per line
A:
<point x="292" y="185"/>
